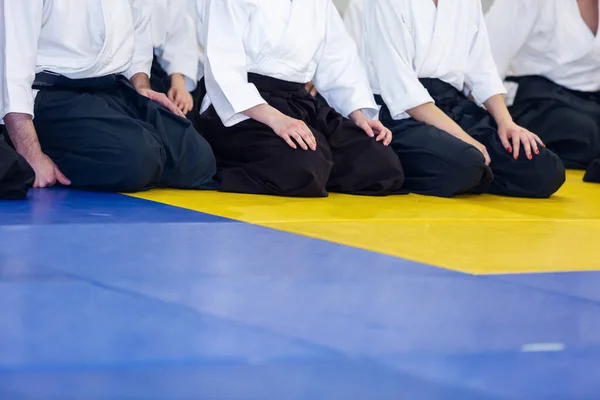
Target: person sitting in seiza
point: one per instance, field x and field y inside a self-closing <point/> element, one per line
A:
<point x="97" y="124"/>
<point x="176" y="51"/>
<point x="268" y="133"/>
<point x="422" y="56"/>
<point x="549" y="50"/>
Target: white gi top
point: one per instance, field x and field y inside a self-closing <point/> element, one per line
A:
<point x="175" y="39"/>
<point x="410" y="39"/>
<point x="75" y="38"/>
<point x="547" y="38"/>
<point x="296" y="41"/>
<point x="353" y="20"/>
<point x="198" y="9"/>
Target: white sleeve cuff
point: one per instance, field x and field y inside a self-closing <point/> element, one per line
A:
<point x="23" y="105"/>
<point x="359" y="100"/>
<point x="242" y="98"/>
<point x="138" y="67"/>
<point x="482" y="93"/>
<point x="371" y="113"/>
<point x="399" y="107"/>
<point x="131" y="72"/>
<point x="189" y="70"/>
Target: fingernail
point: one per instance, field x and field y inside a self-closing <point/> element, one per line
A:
<point x="537" y="151"/>
<point x="509" y="149"/>
<point x="529" y="156"/>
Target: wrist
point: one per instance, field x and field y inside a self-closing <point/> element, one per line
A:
<point x="21" y="131"/>
<point x="357" y="116"/>
<point x="29" y="151"/>
<point x="272" y="118"/>
<point x="504" y="121"/>
<point x="140" y="81"/>
<point x="458" y="133"/>
<point x="177" y="81"/>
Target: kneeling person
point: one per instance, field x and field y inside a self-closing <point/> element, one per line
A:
<point x="422" y="56"/>
<point x="268" y="133"/>
<point x="97" y="125"/>
<point x="548" y="51"/>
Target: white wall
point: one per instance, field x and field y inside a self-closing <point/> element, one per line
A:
<point x="342" y="4"/>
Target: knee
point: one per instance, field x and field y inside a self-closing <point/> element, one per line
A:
<point x="304" y="174"/>
<point x="194" y="167"/>
<point x="453" y="174"/>
<point x="473" y="177"/>
<point x="549" y="174"/>
<point x="207" y="163"/>
<point x="382" y="174"/>
<point x="138" y="168"/>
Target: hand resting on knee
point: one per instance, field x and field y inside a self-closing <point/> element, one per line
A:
<point x="371" y="126"/>
<point x="509" y="131"/>
<point x="285" y="127"/>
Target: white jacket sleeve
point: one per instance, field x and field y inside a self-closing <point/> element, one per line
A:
<point x="341" y="77"/>
<point x="142" y="55"/>
<point x="21" y="24"/>
<point x="353" y="21"/>
<point x="509" y="24"/>
<point x="392" y="50"/>
<point x="225" y="69"/>
<point x="482" y="77"/>
<point x="181" y="50"/>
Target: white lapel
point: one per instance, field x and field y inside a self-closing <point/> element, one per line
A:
<point x="595" y="49"/>
<point x="442" y="36"/>
<point x="298" y="28"/>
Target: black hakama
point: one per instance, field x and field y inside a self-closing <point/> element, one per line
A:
<point x="104" y="135"/>
<point x="438" y="164"/>
<point x="253" y="159"/>
<point x="566" y="120"/>
<point x="16" y="176"/>
<point x="160" y="81"/>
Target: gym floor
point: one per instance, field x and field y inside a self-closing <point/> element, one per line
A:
<point x="205" y="295"/>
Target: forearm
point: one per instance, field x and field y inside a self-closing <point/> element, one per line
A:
<point x="430" y="114"/>
<point x="264" y="114"/>
<point x="496" y="106"/>
<point x="140" y="81"/>
<point x="357" y="116"/>
<point x="178" y="81"/>
<point x="22" y="134"/>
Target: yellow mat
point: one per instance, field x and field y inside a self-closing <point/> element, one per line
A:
<point x="474" y="234"/>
